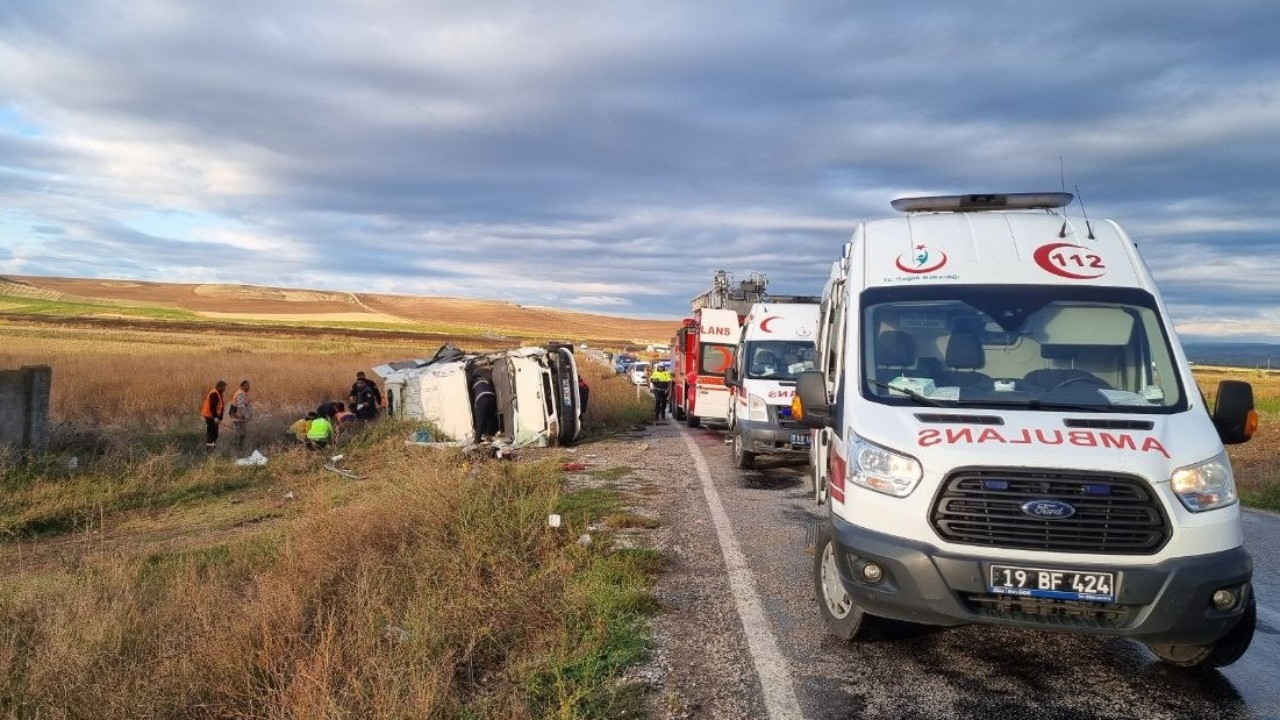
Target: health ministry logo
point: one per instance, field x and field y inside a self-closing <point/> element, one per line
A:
<point x="921" y="260"/>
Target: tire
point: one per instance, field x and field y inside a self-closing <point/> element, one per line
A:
<point x="840" y="615"/>
<point x="819" y="484"/>
<point x="741" y="456"/>
<point x="1220" y="653"/>
<point x="692" y="421"/>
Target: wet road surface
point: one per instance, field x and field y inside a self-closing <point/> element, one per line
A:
<point x="977" y="671"/>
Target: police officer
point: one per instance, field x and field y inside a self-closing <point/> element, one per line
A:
<point x="660" y="383"/>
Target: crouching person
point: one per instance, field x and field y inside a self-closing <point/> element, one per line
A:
<point x="319" y="433"/>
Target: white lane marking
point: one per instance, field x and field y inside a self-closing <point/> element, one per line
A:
<point x="779" y="695"/>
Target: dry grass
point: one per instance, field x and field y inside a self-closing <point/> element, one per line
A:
<point x="436" y="592"/>
<point x="115" y="379"/>
<point x="615" y="403"/>
<point x="1256" y="463"/>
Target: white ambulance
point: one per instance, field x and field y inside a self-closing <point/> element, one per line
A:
<point x="776" y="345"/>
<point x="1010" y="433"/>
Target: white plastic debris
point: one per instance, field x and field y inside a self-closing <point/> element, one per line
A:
<point x="553" y="520"/>
<point x="256" y="458"/>
<point x="395" y="633"/>
<point x="336" y="458"/>
<point x="584" y="539"/>
<point x="73" y="463"/>
<point x="289" y="495"/>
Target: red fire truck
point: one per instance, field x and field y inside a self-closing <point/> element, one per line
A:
<point x="703" y="348"/>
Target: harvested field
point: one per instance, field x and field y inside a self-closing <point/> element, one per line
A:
<point x="84" y="297"/>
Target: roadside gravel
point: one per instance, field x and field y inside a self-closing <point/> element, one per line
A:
<point x="700" y="667"/>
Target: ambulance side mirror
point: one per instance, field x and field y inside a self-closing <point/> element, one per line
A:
<point x="731" y="377"/>
<point x="809" y="405"/>
<point x="1233" y="413"/>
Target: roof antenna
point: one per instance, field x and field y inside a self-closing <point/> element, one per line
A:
<point x="1062" y="177"/>
<point x="1085" y="213"/>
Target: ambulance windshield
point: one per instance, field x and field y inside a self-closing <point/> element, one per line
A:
<point x="1038" y="347"/>
<point x="778" y="359"/>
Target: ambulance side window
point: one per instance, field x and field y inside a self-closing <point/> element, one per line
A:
<point x="833" y="345"/>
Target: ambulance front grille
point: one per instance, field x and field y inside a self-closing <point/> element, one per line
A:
<point x="1114" y="514"/>
<point x="1067" y="614"/>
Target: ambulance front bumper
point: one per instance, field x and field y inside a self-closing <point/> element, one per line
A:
<point x="767" y="438"/>
<point x="1162" y="603"/>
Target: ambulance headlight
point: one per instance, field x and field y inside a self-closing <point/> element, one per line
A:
<point x="884" y="470"/>
<point x="1206" y="485"/>
<point x="757" y="409"/>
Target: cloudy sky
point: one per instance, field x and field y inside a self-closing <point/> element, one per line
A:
<point x="609" y="156"/>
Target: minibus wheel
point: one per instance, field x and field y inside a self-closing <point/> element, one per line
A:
<point x="841" y="616"/>
<point x="1220" y="653"/>
<point x="744" y="458"/>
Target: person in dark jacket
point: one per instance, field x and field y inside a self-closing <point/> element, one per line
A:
<point x="484" y="407"/>
<point x="584" y="394"/>
<point x="370" y="389"/>
<point x="367" y="399"/>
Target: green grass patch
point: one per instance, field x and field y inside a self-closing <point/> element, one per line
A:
<point x="604" y="633"/>
<point x="613" y="474"/>
<point x="61" y="308"/>
<point x="620" y="520"/>
<point x="1267" y="498"/>
<point x="581" y="508"/>
<point x="45" y="499"/>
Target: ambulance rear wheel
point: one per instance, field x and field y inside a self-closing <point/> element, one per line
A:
<point x="744" y="458"/>
<point x="841" y="616"/>
<point x="692" y="421"/>
<point x="1220" y="653"/>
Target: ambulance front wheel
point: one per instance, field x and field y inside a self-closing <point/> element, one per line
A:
<point x="841" y="616"/>
<point x="1220" y="653"/>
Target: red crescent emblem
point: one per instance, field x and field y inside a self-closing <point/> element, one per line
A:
<point x="726" y="359"/>
<point x="764" y="324"/>
<point x="1070" y="261"/>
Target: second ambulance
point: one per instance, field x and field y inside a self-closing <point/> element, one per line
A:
<point x="777" y="344"/>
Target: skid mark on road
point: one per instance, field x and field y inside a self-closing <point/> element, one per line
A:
<point x="775" y="679"/>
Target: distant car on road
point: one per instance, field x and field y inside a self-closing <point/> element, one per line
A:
<point x="623" y="363"/>
<point x="639" y="372"/>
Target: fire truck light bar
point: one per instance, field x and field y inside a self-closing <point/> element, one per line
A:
<point x="972" y="203"/>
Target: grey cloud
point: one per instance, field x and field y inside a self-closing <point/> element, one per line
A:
<point x="578" y="150"/>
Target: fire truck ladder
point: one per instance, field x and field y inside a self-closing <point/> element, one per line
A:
<point x="724" y="294"/>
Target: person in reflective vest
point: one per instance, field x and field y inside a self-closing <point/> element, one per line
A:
<point x="211" y="410"/>
<point x="660" y="383"/>
<point x="319" y="432"/>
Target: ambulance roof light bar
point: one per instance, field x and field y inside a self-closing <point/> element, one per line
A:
<point x="975" y="203"/>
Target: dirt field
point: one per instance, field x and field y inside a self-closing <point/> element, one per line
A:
<point x="264" y="304"/>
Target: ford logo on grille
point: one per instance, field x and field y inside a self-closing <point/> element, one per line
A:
<point x="1051" y="509"/>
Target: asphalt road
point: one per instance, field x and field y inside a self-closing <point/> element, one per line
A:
<point x="974" y="671"/>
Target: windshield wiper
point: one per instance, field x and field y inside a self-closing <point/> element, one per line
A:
<point x="1034" y="404"/>
<point x="915" y="396"/>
